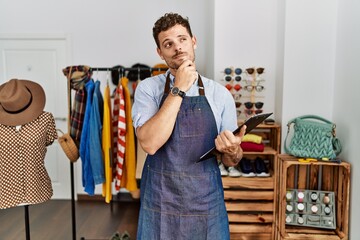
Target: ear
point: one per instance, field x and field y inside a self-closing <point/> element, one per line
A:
<point x="159" y="53"/>
<point x="194" y="42"/>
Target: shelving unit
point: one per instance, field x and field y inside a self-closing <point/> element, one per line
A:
<point x="322" y="176"/>
<point x="251" y="202"/>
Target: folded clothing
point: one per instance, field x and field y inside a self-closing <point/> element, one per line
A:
<point x="252" y="147"/>
<point x="252" y="138"/>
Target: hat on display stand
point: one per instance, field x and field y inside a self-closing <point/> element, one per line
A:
<point x="21" y="101"/>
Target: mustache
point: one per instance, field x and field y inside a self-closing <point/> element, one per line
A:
<point x="178" y="53"/>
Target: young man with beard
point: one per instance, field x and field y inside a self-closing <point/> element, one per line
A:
<point x="178" y="116"/>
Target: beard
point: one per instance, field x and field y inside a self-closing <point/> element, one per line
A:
<point x="173" y="64"/>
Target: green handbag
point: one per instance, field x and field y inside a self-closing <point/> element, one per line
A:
<point x="313" y="137"/>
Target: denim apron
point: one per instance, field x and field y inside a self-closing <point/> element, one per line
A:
<point x="182" y="199"/>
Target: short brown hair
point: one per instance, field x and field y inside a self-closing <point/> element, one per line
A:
<point x="166" y="22"/>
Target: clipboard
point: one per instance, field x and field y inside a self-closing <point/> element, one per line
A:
<point x="250" y="123"/>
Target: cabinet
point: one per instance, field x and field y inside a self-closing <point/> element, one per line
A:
<point x="320" y="175"/>
<point x="251" y="202"/>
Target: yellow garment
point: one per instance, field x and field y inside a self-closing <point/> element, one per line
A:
<point x="128" y="179"/>
<point x="252" y="138"/>
<point x="107" y="146"/>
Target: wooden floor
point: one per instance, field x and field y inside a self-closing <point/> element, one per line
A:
<point x="95" y="220"/>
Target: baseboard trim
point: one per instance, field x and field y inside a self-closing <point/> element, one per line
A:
<point x="120" y="197"/>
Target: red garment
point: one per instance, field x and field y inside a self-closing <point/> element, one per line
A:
<point x="252" y="147"/>
<point x="119" y="128"/>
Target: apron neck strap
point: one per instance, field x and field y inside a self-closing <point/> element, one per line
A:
<point x="200" y="84"/>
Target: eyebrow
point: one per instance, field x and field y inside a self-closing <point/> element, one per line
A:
<point x="178" y="36"/>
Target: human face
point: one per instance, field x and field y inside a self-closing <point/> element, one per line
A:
<point x="176" y="46"/>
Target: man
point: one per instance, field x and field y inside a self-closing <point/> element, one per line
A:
<point x="177" y="116"/>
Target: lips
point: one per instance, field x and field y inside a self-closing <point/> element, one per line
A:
<point x="179" y="55"/>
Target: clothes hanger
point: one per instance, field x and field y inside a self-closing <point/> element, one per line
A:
<point x="107" y="77"/>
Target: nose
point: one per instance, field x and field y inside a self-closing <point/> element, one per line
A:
<point x="177" y="46"/>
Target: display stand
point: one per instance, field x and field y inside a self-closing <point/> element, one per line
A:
<point x="27" y="222"/>
<point x="73" y="213"/>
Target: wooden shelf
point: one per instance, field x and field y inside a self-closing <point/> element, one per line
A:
<point x="249" y="182"/>
<point x="251" y="201"/>
<point x="267" y="151"/>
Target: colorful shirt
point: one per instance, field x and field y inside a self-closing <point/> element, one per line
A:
<point x="119" y="126"/>
<point x="107" y="139"/>
<point x="84" y="150"/>
<point x="128" y="180"/>
<point x="95" y="136"/>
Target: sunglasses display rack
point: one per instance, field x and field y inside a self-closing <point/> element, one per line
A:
<point x="310" y="208"/>
<point x="245" y="84"/>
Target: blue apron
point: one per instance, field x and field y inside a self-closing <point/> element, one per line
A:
<point x="182" y="199"/>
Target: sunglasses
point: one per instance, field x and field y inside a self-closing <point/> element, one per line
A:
<point x="250" y="88"/>
<point x="236" y="87"/>
<point x="252" y="70"/>
<point x="238" y="113"/>
<point x="250" y="105"/>
<point x="228" y="78"/>
<point x="252" y="111"/>
<point x="238" y="104"/>
<point x="232" y="74"/>
<point x="237" y="96"/>
<point x="237" y="71"/>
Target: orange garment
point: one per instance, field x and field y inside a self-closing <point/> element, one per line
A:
<point x="128" y="180"/>
<point x="107" y="144"/>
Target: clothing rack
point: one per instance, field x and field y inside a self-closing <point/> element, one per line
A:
<point x="121" y="70"/>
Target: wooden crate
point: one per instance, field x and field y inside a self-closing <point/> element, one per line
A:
<point x="251" y="202"/>
<point x="334" y="177"/>
<point x="250" y="213"/>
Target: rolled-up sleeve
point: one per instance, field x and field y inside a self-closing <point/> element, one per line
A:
<point x="146" y="102"/>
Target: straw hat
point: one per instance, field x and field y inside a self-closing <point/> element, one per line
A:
<point x="21" y="101"/>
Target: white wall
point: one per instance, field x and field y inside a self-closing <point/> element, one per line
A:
<point x="103" y="33"/>
<point x="321" y="54"/>
<point x="309" y="60"/>
<point x="245" y="36"/>
<point x="346" y="95"/>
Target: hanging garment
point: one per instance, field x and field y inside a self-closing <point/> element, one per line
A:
<point x="79" y="76"/>
<point x="77" y="114"/>
<point x="128" y="179"/>
<point x="87" y="176"/>
<point x="23" y="176"/>
<point x="95" y="136"/>
<point x="182" y="199"/>
<point x="107" y="139"/>
<point x="119" y="128"/>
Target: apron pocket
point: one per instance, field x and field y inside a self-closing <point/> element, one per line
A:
<point x="188" y="122"/>
<point x="182" y="193"/>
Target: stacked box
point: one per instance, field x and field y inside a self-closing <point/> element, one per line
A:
<point x="323" y="178"/>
